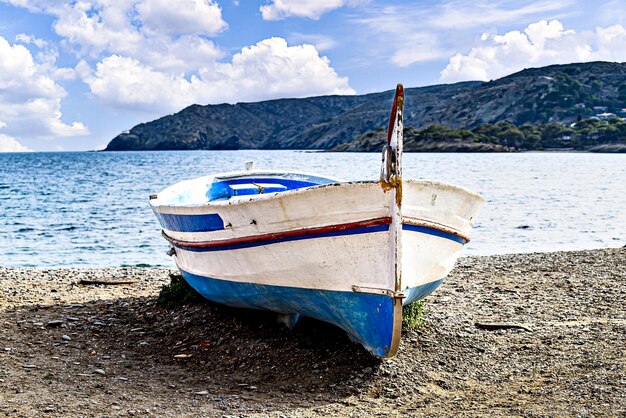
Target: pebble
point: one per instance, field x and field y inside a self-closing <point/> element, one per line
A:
<point x="182" y="356"/>
<point x="100" y="371"/>
<point x="30" y="366"/>
<point x="66" y="338"/>
<point x="54" y="323"/>
<point x="203" y="392"/>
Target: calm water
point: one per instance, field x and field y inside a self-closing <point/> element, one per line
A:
<point x="91" y="209"/>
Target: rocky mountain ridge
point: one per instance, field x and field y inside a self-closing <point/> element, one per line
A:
<point x="557" y="93"/>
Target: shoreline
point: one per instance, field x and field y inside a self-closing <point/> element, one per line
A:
<point x="72" y="349"/>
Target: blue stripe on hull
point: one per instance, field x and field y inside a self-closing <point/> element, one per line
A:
<point x="433" y="231"/>
<point x="190" y="223"/>
<point x="355" y="231"/>
<point x="420" y="292"/>
<point x="368" y="318"/>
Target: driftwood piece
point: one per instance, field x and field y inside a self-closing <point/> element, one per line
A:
<point x="492" y="326"/>
<point x="106" y="282"/>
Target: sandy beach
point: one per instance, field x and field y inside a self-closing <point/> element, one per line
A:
<point x="70" y="348"/>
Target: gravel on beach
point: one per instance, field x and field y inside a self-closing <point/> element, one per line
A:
<point x="540" y="334"/>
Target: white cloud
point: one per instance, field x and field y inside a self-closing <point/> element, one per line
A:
<point x="401" y="36"/>
<point x="460" y="14"/>
<point x="29" y="39"/>
<point x="541" y="43"/>
<point x="9" y="144"/>
<point x="409" y="34"/>
<point x="163" y="34"/>
<point x="187" y="17"/>
<point x="269" y="69"/>
<point x="320" y="42"/>
<point x="313" y="9"/>
<point x="30" y="99"/>
<point x="92" y="28"/>
<point x="156" y="56"/>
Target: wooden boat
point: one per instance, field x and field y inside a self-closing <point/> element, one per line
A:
<point x="349" y="253"/>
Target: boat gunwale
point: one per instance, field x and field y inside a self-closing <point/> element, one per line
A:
<point x="239" y="200"/>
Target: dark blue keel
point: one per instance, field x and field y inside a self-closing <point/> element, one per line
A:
<point x="368" y="318"/>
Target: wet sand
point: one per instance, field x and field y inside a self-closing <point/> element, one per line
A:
<point x="72" y="349"/>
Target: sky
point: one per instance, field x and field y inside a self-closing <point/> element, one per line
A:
<point x="74" y="74"/>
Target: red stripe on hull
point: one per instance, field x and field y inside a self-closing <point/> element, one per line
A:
<point x="279" y="235"/>
<point x="434" y="225"/>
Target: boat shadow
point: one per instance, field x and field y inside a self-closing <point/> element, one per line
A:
<point x="202" y="348"/>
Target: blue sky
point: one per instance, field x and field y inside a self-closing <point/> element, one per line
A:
<point x="75" y="74"/>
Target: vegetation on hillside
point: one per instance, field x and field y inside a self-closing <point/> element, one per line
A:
<point x="586" y="134"/>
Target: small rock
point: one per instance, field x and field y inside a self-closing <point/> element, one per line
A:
<point x="30" y="366"/>
<point x="136" y="329"/>
<point x="102" y="324"/>
<point x="182" y="356"/>
<point x="54" y="323"/>
<point x="72" y="319"/>
<point x="66" y="338"/>
<point x="203" y="392"/>
<point x="100" y="371"/>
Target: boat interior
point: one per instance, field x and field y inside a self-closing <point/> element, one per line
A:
<point x="224" y="187"/>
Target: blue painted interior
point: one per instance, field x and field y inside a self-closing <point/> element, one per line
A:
<point x="368" y="318"/>
<point x="254" y="188"/>
<point x="190" y="223"/>
<point x="223" y="189"/>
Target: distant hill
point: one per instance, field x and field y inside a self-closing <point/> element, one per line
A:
<point x="557" y="93"/>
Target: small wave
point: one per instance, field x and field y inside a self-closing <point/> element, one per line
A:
<point x="140" y="265"/>
<point x="67" y="228"/>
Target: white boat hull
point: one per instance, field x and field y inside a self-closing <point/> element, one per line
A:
<point x="331" y="238"/>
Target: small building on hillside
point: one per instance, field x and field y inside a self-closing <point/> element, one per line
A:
<point x="605" y="116"/>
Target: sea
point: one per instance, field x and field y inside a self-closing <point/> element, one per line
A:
<point x="90" y="209"/>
